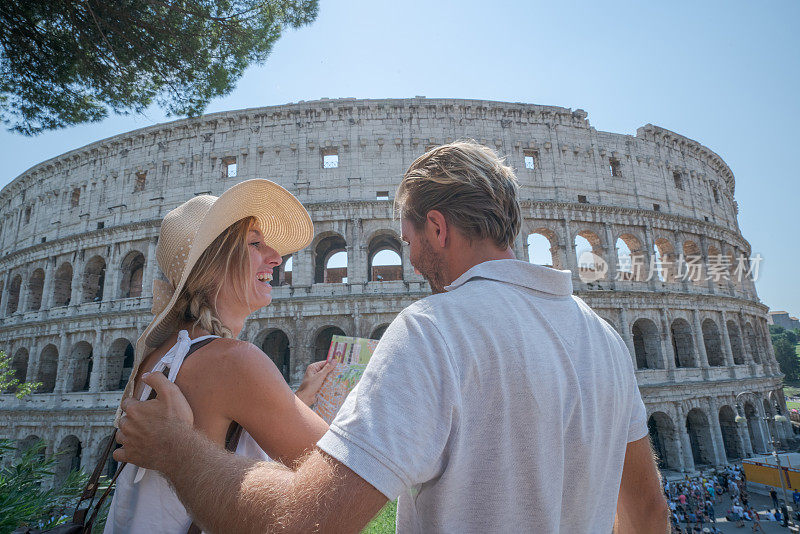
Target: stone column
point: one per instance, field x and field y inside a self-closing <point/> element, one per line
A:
<point x="666" y="348"/>
<point x="710" y="284"/>
<point x="726" y="343"/>
<point x="611" y="255"/>
<point x="99" y="362"/>
<point x="720" y="458"/>
<point x="64" y="371"/>
<point x="4" y="294"/>
<point x="22" y="303"/>
<point x="302" y="268"/>
<point x="700" y="345"/>
<point x="48" y="290"/>
<point x="649" y="267"/>
<point x="77" y="283"/>
<point x="150" y="269"/>
<point x="33" y="361"/>
<point x="680" y="428"/>
<point x="113" y="272"/>
<point x="572" y="260"/>
<point x="744" y="436"/>
<point x="356" y="253"/>
<point x="625" y="333"/>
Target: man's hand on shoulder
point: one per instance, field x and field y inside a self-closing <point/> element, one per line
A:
<point x="150" y="431"/>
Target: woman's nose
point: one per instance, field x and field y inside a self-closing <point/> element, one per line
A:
<point x="272" y="257"/>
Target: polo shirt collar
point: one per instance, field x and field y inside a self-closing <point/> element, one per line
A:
<point x="519" y="273"/>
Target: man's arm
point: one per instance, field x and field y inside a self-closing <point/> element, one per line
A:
<point x="228" y="493"/>
<point x="641" y="507"/>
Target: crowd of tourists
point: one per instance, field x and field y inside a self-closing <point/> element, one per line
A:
<point x="693" y="502"/>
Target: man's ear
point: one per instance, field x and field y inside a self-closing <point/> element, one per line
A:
<point x="437" y="228"/>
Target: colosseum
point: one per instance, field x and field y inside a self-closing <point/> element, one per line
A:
<point x="626" y="214"/>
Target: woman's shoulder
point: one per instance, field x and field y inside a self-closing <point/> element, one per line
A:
<point x="224" y="360"/>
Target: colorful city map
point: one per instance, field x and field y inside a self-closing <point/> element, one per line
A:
<point x="350" y="355"/>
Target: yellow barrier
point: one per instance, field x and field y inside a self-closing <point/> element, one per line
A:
<point x="762" y="473"/>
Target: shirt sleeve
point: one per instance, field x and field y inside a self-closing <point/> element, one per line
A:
<point x="394" y="427"/>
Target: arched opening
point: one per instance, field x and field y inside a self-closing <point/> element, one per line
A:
<point x="94" y="277"/>
<point x="683" y="343"/>
<point x="282" y="274"/>
<point x="62" y="285"/>
<point x="29" y="443"/>
<point x="757" y="438"/>
<point x="111" y="464"/>
<point x="752" y="343"/>
<point x="699" y="431"/>
<point x="13" y="295"/>
<point x="713" y="343"/>
<point x="542" y="248"/>
<point x="646" y="344"/>
<point x="693" y="263"/>
<point x="665" y="260"/>
<point x="132" y="274"/>
<point x="730" y="433"/>
<point x="385" y="262"/>
<point x="589" y="254"/>
<point x="276" y="346"/>
<point x="48" y="367"/>
<point x="323" y="342"/>
<point x="19" y="368"/>
<point x="378" y="332"/>
<point x="81" y="360"/>
<point x="119" y="366"/>
<point x="68" y="459"/>
<point x="330" y="260"/>
<point x="630" y="258"/>
<point x="662" y="436"/>
<point x="35" y="287"/>
<point x="736" y="343"/>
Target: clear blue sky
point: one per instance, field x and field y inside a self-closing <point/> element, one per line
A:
<point x="725" y="73"/>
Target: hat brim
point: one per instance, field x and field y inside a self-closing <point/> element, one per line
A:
<point x="283" y="221"/>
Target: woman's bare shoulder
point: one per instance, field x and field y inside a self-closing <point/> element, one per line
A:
<point x="225" y="361"/>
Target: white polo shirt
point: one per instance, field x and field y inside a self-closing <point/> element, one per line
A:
<point x="502" y="405"/>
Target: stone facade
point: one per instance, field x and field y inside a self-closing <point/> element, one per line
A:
<point x="79" y="233"/>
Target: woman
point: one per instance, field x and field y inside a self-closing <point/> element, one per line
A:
<point x="217" y="256"/>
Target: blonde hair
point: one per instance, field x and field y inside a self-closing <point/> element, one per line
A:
<point x="225" y="259"/>
<point x="470" y="184"/>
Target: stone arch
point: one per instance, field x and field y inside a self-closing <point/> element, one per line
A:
<point x="699" y="430"/>
<point x="683" y="343"/>
<point x="588" y="249"/>
<point x="13" y="295"/>
<point x="384" y="258"/>
<point x="757" y="438"/>
<point x="664" y="438"/>
<point x="81" y="362"/>
<point x="276" y="345"/>
<point x="119" y="365"/>
<point x="35" y="288"/>
<point x="736" y="343"/>
<point x="647" y="344"/>
<point x="630" y="258"/>
<point x="94" y="277"/>
<point x="19" y="367"/>
<point x="734" y="449"/>
<point x="62" y="285"/>
<point x="282" y="274"/>
<point x="666" y="259"/>
<point x="132" y="268"/>
<point x="324" y="250"/>
<point x="68" y="459"/>
<point x="543" y="248"/>
<point x="693" y="262"/>
<point x="378" y="331"/>
<point x="752" y="342"/>
<point x="713" y="343"/>
<point x="48" y="368"/>
<point x="773" y="435"/>
<point x="322" y="341"/>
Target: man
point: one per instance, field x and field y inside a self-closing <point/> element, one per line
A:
<point x="501" y="403"/>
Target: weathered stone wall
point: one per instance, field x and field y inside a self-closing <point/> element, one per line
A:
<point x="89" y="218"/>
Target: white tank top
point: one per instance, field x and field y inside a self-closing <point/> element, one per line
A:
<point x="143" y="500"/>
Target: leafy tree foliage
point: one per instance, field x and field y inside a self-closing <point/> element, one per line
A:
<point x="10" y="382"/>
<point x="68" y="62"/>
<point x="784" y="342"/>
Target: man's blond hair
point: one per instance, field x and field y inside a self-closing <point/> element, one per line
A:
<point x="470" y="185"/>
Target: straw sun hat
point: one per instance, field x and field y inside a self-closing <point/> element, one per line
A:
<point x="190" y="228"/>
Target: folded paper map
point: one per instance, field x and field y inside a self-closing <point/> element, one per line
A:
<point x="350" y="354"/>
